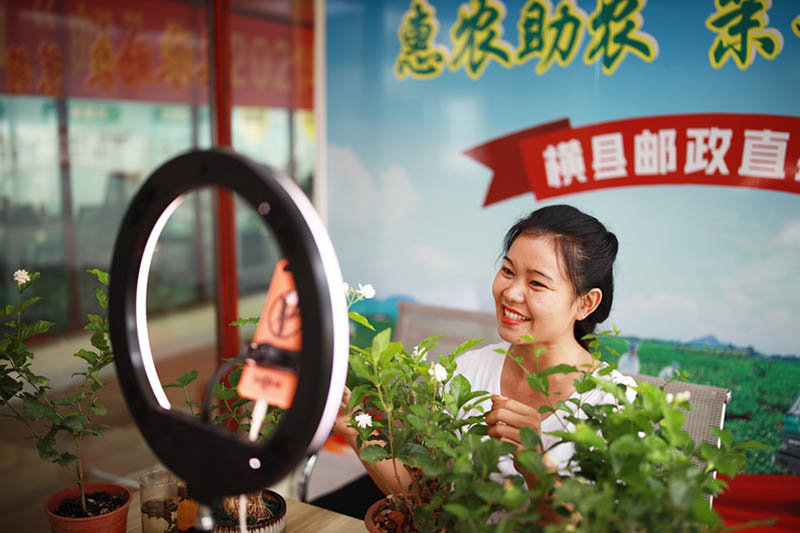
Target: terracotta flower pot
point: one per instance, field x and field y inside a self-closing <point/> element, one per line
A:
<point x="372" y="512"/>
<point x="114" y="522"/>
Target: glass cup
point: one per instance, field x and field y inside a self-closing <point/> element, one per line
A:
<point x="159" y="497"/>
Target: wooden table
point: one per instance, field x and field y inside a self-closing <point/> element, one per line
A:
<point x="300" y="518"/>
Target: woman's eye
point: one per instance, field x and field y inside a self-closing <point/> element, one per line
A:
<point x="535" y="283"/>
<point x="506" y="271"/>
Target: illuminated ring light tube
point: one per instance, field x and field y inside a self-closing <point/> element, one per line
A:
<point x="212" y="460"/>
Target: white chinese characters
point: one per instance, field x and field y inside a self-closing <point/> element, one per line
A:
<point x="655" y="153"/>
<point x="764" y="154"/>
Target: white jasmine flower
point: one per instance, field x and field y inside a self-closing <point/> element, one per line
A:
<point x="415" y="351"/>
<point x="21" y="276"/>
<point x="346" y="288"/>
<point x="683" y="396"/>
<point x="438" y="372"/>
<point x="363" y="420"/>
<point x="670" y="397"/>
<point x="641" y="434"/>
<point x="367" y="291"/>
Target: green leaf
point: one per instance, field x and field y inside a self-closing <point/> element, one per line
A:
<point x="416" y="422"/>
<point x="9" y="387"/>
<point x="357" y="396"/>
<point x="539" y="383"/>
<point x="75" y="423"/>
<point x="359" y="366"/>
<point x="724" y="435"/>
<point x="373" y="453"/>
<point x="35" y="410"/>
<point x="96" y="323"/>
<point x="245" y="321"/>
<point x="460" y="389"/>
<point x="102" y="297"/>
<point x="47" y="447"/>
<point x="458" y="510"/>
<point x="466" y="345"/>
<point x="380" y="343"/>
<point x="558" y="369"/>
<point x="72" y="399"/>
<point x="101" y="276"/>
<point x="97" y="409"/>
<point x="184" y="379"/>
<point x="588" y="437"/>
<point x="221" y="392"/>
<point x="90" y="357"/>
<point x="66" y="459"/>
<point x="27" y="303"/>
<point x="489" y="491"/>
<point x="529" y="438"/>
<point x="98" y="340"/>
<point x="42" y="326"/>
<point x="387" y="374"/>
<point x="360" y="319"/>
<point x="751" y="445"/>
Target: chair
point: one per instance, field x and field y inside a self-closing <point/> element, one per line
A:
<point x="416" y="322"/>
<point x="708" y="406"/>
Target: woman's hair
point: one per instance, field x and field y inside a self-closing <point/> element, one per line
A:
<point x="587" y="248"/>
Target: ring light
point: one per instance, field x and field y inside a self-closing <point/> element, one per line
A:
<point x="212" y="460"/>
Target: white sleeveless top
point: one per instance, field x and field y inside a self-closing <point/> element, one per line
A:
<point x="483" y="366"/>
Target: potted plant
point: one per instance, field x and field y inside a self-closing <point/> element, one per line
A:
<point x="29" y="399"/>
<point x="266" y="509"/>
<point x="632" y="468"/>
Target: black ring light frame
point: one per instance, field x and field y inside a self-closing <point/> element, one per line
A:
<point x="212" y="460"/>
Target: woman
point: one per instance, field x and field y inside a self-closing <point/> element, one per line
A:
<point x="555" y="284"/>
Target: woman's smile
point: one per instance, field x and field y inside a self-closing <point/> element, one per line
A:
<point x="512" y="318"/>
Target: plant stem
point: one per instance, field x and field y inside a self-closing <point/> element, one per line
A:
<point x="186" y="394"/>
<point x="389" y="426"/>
<point x="79" y="472"/>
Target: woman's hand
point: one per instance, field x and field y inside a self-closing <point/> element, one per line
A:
<point x="342" y="423"/>
<point x="505" y="421"/>
<point x="508" y="417"/>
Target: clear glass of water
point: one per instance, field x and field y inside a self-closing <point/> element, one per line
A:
<point x="159" y="497"/>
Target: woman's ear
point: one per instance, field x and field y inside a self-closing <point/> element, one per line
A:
<point x="589" y="302"/>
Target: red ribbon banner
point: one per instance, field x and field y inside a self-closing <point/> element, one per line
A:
<point x="732" y="150"/>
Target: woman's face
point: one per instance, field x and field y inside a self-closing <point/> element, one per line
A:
<point x="533" y="294"/>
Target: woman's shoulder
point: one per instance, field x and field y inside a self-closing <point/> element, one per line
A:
<point x="484" y="355"/>
<point x="482" y="366"/>
<point x="617" y="378"/>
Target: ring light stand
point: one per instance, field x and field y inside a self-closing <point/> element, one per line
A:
<point x="212" y="460"/>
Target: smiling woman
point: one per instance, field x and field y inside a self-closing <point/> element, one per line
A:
<point x="554" y="286"/>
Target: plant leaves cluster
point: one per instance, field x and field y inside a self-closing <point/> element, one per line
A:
<point x="29" y="398"/>
<point x="231" y="410"/>
<point x="633" y="469"/>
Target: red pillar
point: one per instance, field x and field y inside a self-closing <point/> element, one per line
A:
<point x="227" y="290"/>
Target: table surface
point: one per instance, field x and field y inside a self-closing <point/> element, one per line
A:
<point x="300" y="518"/>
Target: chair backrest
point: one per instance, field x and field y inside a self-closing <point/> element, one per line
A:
<point x="707" y="402"/>
<point x="417" y="321"/>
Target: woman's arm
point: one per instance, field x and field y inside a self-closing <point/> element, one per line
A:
<point x="389" y="476"/>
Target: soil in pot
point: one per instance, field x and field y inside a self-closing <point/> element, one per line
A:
<point x="271" y="507"/>
<point x="382" y="517"/>
<point x="97" y="503"/>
